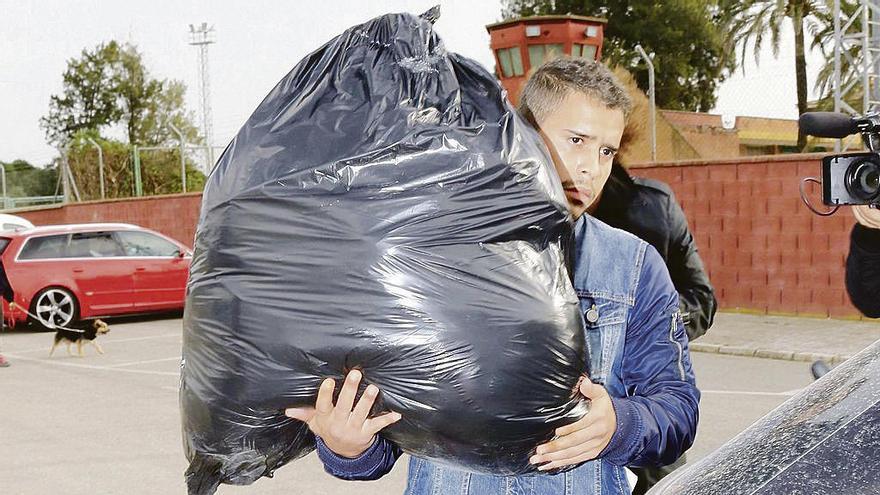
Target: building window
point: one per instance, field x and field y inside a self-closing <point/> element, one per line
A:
<point x="539" y="53"/>
<point x="511" y="61"/>
<point x="586" y="51"/>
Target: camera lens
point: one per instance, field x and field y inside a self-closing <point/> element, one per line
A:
<point x="863" y="180"/>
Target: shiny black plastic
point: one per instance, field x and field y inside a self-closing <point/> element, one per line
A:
<point x="382" y="209"/>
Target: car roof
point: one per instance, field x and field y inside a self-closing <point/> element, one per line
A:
<point x="69" y="228"/>
<point x="7" y="218"/>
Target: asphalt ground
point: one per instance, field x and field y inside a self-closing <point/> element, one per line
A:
<point x="110" y="424"/>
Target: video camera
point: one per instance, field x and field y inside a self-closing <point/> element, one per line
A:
<point x="852" y="178"/>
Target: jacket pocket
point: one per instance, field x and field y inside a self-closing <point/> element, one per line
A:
<point x="599" y="311"/>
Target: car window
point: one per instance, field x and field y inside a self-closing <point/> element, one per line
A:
<point x="93" y="245"/>
<point x="3" y="243"/>
<point x="146" y="244"/>
<point x="40" y="248"/>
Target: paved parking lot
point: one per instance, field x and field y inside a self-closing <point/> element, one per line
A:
<point x="109" y="424"/>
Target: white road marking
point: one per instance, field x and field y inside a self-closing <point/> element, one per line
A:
<point x="52" y="362"/>
<point x="787" y="393"/>
<point x="135" y="363"/>
<point x="106" y="341"/>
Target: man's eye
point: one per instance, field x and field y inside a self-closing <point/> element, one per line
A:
<point x="607" y="152"/>
<point x="576" y="140"/>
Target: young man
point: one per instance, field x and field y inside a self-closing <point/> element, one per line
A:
<point x="647" y="208"/>
<point x="643" y="397"/>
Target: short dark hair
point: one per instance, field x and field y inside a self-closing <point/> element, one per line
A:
<point x="553" y="80"/>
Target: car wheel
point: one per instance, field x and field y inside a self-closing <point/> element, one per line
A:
<point x="55" y="307"/>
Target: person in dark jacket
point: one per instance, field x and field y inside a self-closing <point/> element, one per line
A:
<point x="6" y="293"/>
<point x="648" y="209"/>
<point x="863" y="262"/>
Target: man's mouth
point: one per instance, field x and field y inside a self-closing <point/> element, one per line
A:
<point x="578" y="194"/>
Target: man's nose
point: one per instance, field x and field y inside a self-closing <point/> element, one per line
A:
<point x="588" y="165"/>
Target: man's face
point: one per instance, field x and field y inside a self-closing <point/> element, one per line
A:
<point x="583" y="136"/>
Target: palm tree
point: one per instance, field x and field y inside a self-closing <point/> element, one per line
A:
<point x="753" y="20"/>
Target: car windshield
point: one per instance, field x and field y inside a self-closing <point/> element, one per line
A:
<point x="823" y="440"/>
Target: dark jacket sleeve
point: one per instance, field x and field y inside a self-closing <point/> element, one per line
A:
<point x="696" y="295"/>
<point x="863" y="270"/>
<point x="374" y="463"/>
<point x="657" y="420"/>
<point x="5" y="287"/>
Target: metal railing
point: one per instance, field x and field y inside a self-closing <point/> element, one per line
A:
<point x="22" y="202"/>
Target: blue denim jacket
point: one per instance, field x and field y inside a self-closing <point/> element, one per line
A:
<point x="638" y="351"/>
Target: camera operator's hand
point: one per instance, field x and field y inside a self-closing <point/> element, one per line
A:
<point x="867" y="216"/>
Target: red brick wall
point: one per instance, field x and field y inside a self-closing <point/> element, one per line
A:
<point x="174" y="215"/>
<point x="764" y="250"/>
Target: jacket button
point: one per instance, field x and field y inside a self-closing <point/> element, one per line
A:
<point x="592" y="315"/>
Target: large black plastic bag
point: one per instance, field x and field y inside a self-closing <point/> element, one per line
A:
<point x="382" y="209"/>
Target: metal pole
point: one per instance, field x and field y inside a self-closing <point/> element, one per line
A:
<point x="866" y="58"/>
<point x="100" y="164"/>
<point x="3" y="170"/>
<point x="57" y="181"/>
<point x="182" y="160"/>
<point x="138" y="187"/>
<point x="653" y="103"/>
<point x="202" y="36"/>
<point x="65" y="177"/>
<point x="73" y="184"/>
<point x="837" y="47"/>
<point x="875" y="45"/>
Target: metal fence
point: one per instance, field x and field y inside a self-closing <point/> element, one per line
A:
<point x="146" y="172"/>
<point x="10" y="203"/>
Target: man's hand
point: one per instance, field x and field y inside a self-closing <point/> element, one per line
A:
<point x="344" y="428"/>
<point x="867" y="216"/>
<point x="584" y="439"/>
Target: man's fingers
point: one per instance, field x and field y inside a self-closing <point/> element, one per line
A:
<point x="587" y="445"/>
<point x="567" y="462"/>
<point x="364" y="404"/>
<point x="304" y="414"/>
<point x="577" y="425"/>
<point x="345" y="402"/>
<point x="590" y="390"/>
<point x="375" y="425"/>
<point x="324" y="404"/>
<point x="563" y="443"/>
<point x="867" y="216"/>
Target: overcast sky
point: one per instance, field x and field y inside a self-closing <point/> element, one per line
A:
<point x="257" y="43"/>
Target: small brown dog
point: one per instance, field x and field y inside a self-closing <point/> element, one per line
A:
<point x="87" y="336"/>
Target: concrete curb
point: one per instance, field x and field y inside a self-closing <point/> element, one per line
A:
<point x="731" y="350"/>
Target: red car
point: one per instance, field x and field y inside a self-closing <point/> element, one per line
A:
<point x="66" y="273"/>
